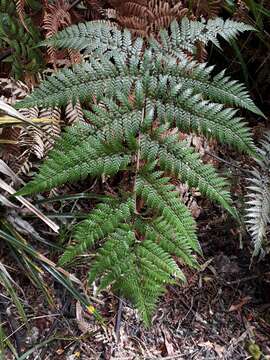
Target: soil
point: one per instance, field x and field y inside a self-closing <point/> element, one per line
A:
<point x="223" y="312"/>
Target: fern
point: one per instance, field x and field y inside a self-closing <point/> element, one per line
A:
<point x="25" y="56"/>
<point x="186" y="34"/>
<point x="103" y="40"/>
<point x="258" y="203"/>
<point x="103" y="36"/>
<point x="136" y="93"/>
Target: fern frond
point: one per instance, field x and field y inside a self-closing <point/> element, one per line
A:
<point x="109" y="164"/>
<point x="56" y="17"/>
<point x="102" y="37"/>
<point x="90" y="36"/>
<point x="111" y="257"/>
<point x="171" y="242"/>
<point x="160" y="258"/>
<point x="102" y="222"/>
<point x="190" y="112"/>
<point x="137" y="271"/>
<point x="258" y="198"/>
<point x="258" y="211"/>
<point x="82" y="83"/>
<point x="182" y="161"/>
<point x="97" y="78"/>
<point x="90" y="157"/>
<point x="220" y="88"/>
<point x="184" y="35"/>
<point x="161" y="196"/>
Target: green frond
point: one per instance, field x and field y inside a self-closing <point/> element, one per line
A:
<point x="85" y="160"/>
<point x="232" y="92"/>
<point x="111" y="257"/>
<point x="160" y="258"/>
<point x="83" y="35"/>
<point x="103" y="37"/>
<point x="96" y="38"/>
<point x="185" y="34"/>
<point x="141" y="288"/>
<point x="102" y="221"/>
<point x="84" y="150"/>
<point x="81" y="83"/>
<point x="170" y="241"/>
<point x="109" y="77"/>
<point x="118" y="265"/>
<point x="137" y="270"/>
<point x="188" y="75"/>
<point x="182" y="161"/>
<point x="190" y="112"/>
<point x="161" y="196"/>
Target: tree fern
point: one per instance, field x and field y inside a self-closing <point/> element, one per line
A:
<point x="138" y="95"/>
<point x="258" y="203"/>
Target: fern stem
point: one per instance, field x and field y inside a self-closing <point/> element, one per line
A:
<point x="227" y="163"/>
<point x="138" y="158"/>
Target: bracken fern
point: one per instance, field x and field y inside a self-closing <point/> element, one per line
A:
<point x="140" y="95"/>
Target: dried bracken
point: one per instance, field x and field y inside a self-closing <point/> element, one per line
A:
<point x="56" y="17"/>
<point x="25" y="144"/>
<point x="20" y="4"/>
<point x="145" y="18"/>
<point x="207" y="8"/>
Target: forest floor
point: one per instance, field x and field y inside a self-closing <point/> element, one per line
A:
<point x="223" y="312"/>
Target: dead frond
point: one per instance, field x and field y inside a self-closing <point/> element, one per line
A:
<point x="56" y="17"/>
<point x="20" y="4"/>
<point x="145" y="18"/>
<point x="207" y="8"/>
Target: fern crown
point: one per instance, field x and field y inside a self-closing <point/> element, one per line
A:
<point x="139" y="95"/>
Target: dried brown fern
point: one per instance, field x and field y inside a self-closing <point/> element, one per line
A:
<point x="73" y="113"/>
<point x="242" y="12"/>
<point x="207" y="8"/>
<point x="20" y="8"/>
<point x="21" y="147"/>
<point x="56" y="17"/>
<point x="20" y="4"/>
<point x="145" y="18"/>
<point x="95" y="10"/>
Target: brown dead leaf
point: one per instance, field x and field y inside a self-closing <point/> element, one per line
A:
<point x="213" y="346"/>
<point x="240" y="304"/>
<point x="167" y="342"/>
